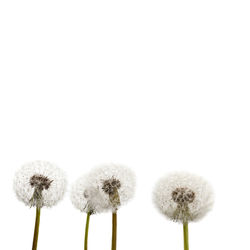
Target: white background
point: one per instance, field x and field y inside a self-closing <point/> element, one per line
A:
<point x="157" y="85"/>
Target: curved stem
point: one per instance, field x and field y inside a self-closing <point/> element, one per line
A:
<point x="185" y="236"/>
<point x="36" y="231"/>
<point x="114" y="230"/>
<point x="87" y="231"/>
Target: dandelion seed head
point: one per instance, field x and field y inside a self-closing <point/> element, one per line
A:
<point x="183" y="197"/>
<point x="115" y="182"/>
<point x="86" y="196"/>
<point x="40" y="183"/>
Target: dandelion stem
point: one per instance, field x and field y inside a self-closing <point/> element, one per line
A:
<point x="114" y="230"/>
<point x="185" y="236"/>
<point x="36" y="231"/>
<point x="87" y="231"/>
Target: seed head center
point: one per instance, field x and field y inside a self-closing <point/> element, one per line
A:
<point x="183" y="196"/>
<point x="111" y="186"/>
<point x="40" y="182"/>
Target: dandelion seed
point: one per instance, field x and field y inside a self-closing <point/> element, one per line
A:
<point x="117" y="185"/>
<point x="39" y="184"/>
<point x="86" y="197"/>
<point x="183" y="197"/>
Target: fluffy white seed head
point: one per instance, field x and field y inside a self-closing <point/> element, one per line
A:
<point x="86" y="196"/>
<point x="183" y="197"/>
<point x="115" y="182"/>
<point x="40" y="183"/>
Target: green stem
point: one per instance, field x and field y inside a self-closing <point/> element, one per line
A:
<point x="185" y="235"/>
<point x="87" y="231"/>
<point x="114" y="230"/>
<point x="36" y="231"/>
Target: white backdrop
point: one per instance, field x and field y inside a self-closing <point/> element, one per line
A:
<point x="157" y="85"/>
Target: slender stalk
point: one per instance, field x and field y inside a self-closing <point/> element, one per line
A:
<point x="114" y="230"/>
<point x="87" y="231"/>
<point x="36" y="231"/>
<point x="185" y="236"/>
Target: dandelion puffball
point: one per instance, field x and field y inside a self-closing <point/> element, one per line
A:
<point x="183" y="197"/>
<point x="39" y="184"/>
<point x="86" y="196"/>
<point x="115" y="182"/>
